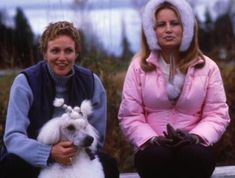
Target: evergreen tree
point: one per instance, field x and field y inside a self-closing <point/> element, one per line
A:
<point x="24" y="40"/>
<point x="7" y="45"/>
<point x="206" y="38"/>
<point x="224" y="31"/>
<point x="126" y="52"/>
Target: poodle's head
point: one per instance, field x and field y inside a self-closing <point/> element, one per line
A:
<point x="75" y="126"/>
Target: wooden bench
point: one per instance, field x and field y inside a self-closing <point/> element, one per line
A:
<point x="220" y="172"/>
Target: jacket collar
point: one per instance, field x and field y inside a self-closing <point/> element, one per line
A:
<point x="154" y="59"/>
<point x="198" y="62"/>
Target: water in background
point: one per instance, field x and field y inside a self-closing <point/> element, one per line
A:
<point x="112" y="25"/>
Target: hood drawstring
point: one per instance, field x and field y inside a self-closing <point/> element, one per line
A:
<point x="172" y="69"/>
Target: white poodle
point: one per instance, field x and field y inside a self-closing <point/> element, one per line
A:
<point x="73" y="126"/>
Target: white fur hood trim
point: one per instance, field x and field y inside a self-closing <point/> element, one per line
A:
<point x="187" y="18"/>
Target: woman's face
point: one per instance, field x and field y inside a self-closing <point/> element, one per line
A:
<point x="61" y="55"/>
<point x="168" y="29"/>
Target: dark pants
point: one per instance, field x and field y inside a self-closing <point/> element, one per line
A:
<point x="109" y="165"/>
<point x="189" y="161"/>
<point x="12" y="167"/>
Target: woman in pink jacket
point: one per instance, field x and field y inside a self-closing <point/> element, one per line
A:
<point x="173" y="106"/>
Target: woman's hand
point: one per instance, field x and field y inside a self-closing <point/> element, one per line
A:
<point x="180" y="137"/>
<point x="161" y="141"/>
<point x="63" y="152"/>
<point x="173" y="138"/>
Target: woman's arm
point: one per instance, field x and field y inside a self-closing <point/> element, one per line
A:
<point x="17" y="122"/>
<point x="98" y="117"/>
<point x="215" y="116"/>
<point x="131" y="113"/>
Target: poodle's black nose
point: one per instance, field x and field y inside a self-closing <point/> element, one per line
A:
<point x="71" y="127"/>
<point x="88" y="140"/>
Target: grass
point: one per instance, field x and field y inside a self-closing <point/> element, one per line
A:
<point x="5" y="83"/>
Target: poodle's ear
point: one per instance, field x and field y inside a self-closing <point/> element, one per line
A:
<point x="86" y="107"/>
<point x="58" y="102"/>
<point x="94" y="133"/>
<point x="50" y="132"/>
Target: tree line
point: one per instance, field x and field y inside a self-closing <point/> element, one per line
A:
<point x="19" y="45"/>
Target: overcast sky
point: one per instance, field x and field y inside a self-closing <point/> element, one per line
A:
<point x="107" y="22"/>
<point x="37" y="10"/>
<point x="39" y="3"/>
<point x="198" y="5"/>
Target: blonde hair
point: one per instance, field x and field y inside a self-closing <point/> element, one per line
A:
<point x="190" y="56"/>
<point x="53" y="30"/>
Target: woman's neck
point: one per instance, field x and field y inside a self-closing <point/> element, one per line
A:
<point x="168" y="54"/>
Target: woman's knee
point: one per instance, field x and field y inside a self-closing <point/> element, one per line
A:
<point x="154" y="161"/>
<point x="196" y="160"/>
<point x="109" y="165"/>
<point x="13" y="166"/>
<point x="154" y="154"/>
<point x="196" y="152"/>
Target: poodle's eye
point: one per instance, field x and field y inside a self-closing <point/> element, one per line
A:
<point x="80" y="113"/>
<point x="71" y="127"/>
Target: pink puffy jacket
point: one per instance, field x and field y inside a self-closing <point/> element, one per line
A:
<point x="145" y="109"/>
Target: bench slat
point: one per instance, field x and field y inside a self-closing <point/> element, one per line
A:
<point x="224" y="171"/>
